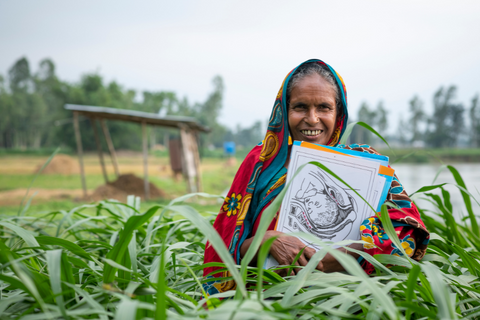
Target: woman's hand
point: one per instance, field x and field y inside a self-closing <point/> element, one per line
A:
<point x="285" y="248"/>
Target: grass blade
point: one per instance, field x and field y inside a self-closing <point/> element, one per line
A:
<point x="349" y="128"/>
<point x="466" y="199"/>
<point x="35" y="178"/>
<point x="54" y="258"/>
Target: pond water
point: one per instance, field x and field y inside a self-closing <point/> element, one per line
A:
<point x="415" y="176"/>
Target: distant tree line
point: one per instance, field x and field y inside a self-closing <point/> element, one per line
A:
<point x="445" y="127"/>
<point x="33" y="115"/>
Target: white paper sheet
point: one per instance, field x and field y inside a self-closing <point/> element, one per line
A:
<point x="319" y="204"/>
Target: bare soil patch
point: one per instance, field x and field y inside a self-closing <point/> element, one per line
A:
<point x="126" y="184"/>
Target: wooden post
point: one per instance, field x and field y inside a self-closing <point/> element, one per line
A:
<point x="145" y="160"/>
<point x="99" y="149"/>
<point x="111" y="149"/>
<point x="78" y="139"/>
<point x="196" y="155"/>
<point x="166" y="138"/>
<point x="188" y="161"/>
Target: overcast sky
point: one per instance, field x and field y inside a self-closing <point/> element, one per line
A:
<point x="384" y="50"/>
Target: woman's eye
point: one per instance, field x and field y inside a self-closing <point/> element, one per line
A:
<point x="300" y="107"/>
<point x="324" y="107"/>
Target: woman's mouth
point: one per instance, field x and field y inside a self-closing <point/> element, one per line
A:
<point x="311" y="133"/>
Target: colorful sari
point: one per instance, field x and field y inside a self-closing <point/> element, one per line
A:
<point x="261" y="177"/>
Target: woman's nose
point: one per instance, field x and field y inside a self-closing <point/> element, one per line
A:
<point x="311" y="117"/>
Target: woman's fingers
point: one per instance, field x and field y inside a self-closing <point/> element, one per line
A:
<point x="309" y="252"/>
<point x="302" y="260"/>
<point x="286" y="248"/>
<point x="296" y="270"/>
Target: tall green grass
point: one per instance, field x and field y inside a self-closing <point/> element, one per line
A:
<point x="120" y="263"/>
<point x="109" y="260"/>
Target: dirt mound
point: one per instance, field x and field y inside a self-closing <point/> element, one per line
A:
<point x="60" y="164"/>
<point x="125" y="185"/>
<point x="107" y="191"/>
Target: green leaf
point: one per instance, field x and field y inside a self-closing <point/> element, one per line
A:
<point x="161" y="310"/>
<point x="214" y="240"/>
<point x="390" y="230"/>
<point x="443" y="298"/>
<point x="118" y="251"/>
<point x="265" y="220"/>
<point x="20" y="211"/>
<point x="126" y="310"/>
<point x="466" y="199"/>
<point x="54" y="258"/>
<point x="261" y="257"/>
<point x="427" y="188"/>
<point x="116" y="265"/>
<point x="68" y="245"/>
<point x="27" y="236"/>
<point x="349" y="128"/>
<point x="411" y="284"/>
<point x="333" y="174"/>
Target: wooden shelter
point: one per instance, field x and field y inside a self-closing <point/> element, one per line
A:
<point x="189" y="131"/>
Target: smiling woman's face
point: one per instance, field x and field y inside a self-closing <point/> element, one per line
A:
<point x="312" y="110"/>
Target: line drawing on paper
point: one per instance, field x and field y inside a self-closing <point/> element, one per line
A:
<point x="322" y="207"/>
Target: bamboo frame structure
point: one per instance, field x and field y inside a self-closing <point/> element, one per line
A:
<point x="99" y="149"/>
<point x="78" y="139"/>
<point x="145" y="161"/>
<point x="111" y="149"/>
<point x="189" y="131"/>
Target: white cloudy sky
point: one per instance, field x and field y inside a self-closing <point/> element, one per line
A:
<point x="385" y="50"/>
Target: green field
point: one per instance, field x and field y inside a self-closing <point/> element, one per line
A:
<point x="70" y="259"/>
<point x="64" y="190"/>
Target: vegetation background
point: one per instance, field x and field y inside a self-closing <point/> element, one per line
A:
<point x="33" y="117"/>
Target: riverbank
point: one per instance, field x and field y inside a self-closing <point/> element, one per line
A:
<point x="425" y="155"/>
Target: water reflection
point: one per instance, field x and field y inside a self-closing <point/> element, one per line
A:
<point x="415" y="176"/>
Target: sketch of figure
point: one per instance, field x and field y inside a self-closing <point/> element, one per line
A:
<point x="324" y="208"/>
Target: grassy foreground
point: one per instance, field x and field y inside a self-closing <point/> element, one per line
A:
<point x="110" y="260"/>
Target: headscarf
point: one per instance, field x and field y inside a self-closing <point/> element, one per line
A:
<point x="259" y="172"/>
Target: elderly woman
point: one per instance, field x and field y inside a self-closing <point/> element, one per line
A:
<point x="310" y="106"/>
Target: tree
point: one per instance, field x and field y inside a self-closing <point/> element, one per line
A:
<point x="19" y="75"/>
<point x="163" y="102"/>
<point x="207" y="113"/>
<point x="5" y="110"/>
<point x="250" y="136"/>
<point x="402" y="131"/>
<point x="27" y="110"/>
<point x="33" y="115"/>
<point x="361" y="135"/>
<point x="475" y="122"/>
<point x="457" y="120"/>
<point x="417" y="116"/>
<point x="381" y="118"/>
<point x="446" y="123"/>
